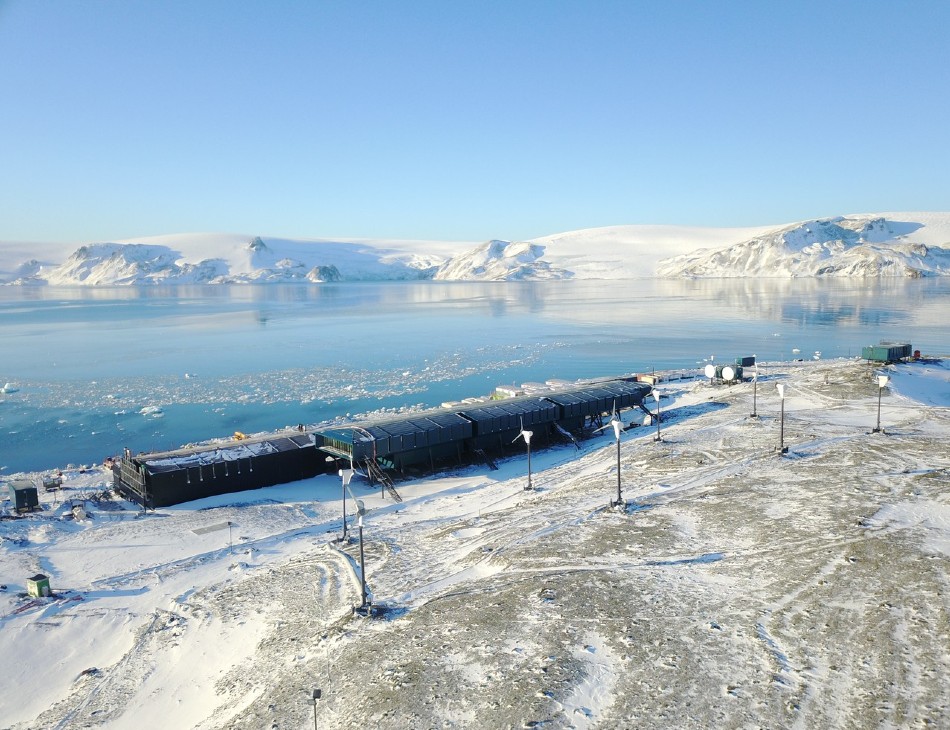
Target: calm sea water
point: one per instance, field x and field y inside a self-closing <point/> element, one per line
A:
<point x="97" y="370"/>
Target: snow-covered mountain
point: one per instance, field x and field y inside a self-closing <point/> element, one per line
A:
<point x="853" y="246"/>
<point x="502" y="261"/>
<point x="223" y="259"/>
<point x="884" y="244"/>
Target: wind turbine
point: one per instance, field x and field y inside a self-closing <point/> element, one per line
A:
<point x="617" y="425"/>
<point x="526" y="435"/>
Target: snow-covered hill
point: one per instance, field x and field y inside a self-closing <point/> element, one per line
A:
<point x="501" y="261"/>
<point x="883" y="244"/>
<point x="853" y="246"/>
<point x="225" y="259"/>
<point x="612" y="252"/>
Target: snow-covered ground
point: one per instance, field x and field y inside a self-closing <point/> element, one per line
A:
<point x="869" y="245"/>
<point x="740" y="588"/>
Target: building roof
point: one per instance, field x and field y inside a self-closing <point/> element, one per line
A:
<point x="231" y="451"/>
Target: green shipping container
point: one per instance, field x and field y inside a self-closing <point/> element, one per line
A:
<point x="886" y="352"/>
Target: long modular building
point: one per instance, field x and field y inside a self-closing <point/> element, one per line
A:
<point x="422" y="440"/>
<point x="164" y="478"/>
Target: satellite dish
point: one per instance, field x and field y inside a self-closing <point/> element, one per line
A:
<point x="728" y="373"/>
<point x="710" y="371"/>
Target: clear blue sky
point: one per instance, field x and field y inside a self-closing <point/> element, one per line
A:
<point x="464" y="120"/>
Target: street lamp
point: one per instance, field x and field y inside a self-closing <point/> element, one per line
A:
<point x="362" y="568"/>
<point x="345" y="476"/>
<point x="656" y="397"/>
<point x="315" y="695"/>
<point x="526" y="435"/>
<point x="755" y="383"/>
<point x="882" y="381"/>
<point x="782" y="448"/>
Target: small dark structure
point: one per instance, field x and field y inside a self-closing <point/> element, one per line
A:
<point x="171" y="477"/>
<point x="51" y="484"/>
<point x="23" y="495"/>
<point x="38" y="586"/>
<point x="886" y="352"/>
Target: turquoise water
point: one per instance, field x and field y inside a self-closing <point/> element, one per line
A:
<point x="86" y="362"/>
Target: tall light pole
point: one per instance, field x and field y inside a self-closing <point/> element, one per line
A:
<point x="345" y="476"/>
<point x="755" y="383"/>
<point x="656" y="397"/>
<point x="882" y="381"/>
<point x="362" y="569"/>
<point x="782" y="448"/>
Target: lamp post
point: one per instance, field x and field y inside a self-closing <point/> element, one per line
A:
<point x="362" y="569"/>
<point x="315" y="695"/>
<point x="882" y="381"/>
<point x="345" y="476"/>
<point x="656" y="397"/>
<point x="755" y="384"/>
<point x="782" y="448"/>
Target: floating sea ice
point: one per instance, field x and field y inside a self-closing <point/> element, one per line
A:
<point x="9" y="388"/>
<point x="154" y="411"/>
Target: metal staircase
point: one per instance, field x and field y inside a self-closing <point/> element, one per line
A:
<point x="377" y="474"/>
<point x="487" y="459"/>
<point x="568" y="435"/>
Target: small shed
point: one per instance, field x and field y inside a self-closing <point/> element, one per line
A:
<point x="23" y="495"/>
<point x="38" y="586"/>
<point x="887" y="352"/>
<point x="51" y="484"/>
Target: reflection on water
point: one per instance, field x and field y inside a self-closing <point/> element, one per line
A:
<point x="243" y="357"/>
<point x="267" y="327"/>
